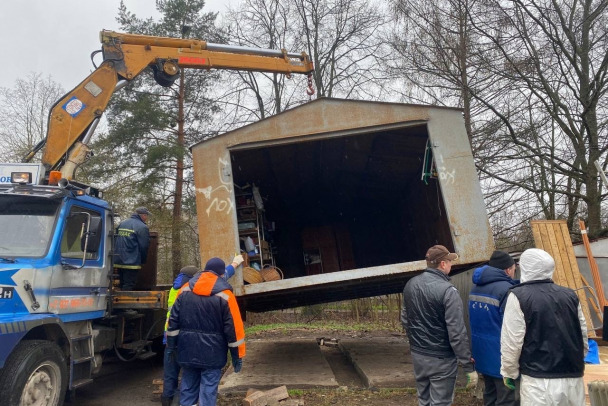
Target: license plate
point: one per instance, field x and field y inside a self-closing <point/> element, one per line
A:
<point x="6" y="292"/>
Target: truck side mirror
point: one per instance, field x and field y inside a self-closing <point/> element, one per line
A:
<point x="91" y="245"/>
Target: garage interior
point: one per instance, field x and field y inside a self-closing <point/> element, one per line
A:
<point x="344" y="202"/>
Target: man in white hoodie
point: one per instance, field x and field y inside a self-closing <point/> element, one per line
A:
<point x="543" y="337"/>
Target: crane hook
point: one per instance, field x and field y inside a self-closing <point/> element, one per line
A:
<point x="310" y="90"/>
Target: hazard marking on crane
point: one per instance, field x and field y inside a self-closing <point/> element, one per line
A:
<point x="192" y="60"/>
<point x="73" y="106"/>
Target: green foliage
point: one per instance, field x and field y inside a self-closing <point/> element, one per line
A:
<point x="287" y="328"/>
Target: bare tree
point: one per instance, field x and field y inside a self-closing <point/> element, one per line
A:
<point x="556" y="52"/>
<point x="437" y="49"/>
<point x="342" y="37"/>
<point x="24" y="111"/>
<point x="262" y="24"/>
<point x="535" y="79"/>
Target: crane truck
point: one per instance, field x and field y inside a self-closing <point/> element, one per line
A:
<point x="58" y="307"/>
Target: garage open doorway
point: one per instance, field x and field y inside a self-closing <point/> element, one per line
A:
<point x="339" y="203"/>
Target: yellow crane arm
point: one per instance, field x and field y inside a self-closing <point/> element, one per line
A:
<point x="73" y="118"/>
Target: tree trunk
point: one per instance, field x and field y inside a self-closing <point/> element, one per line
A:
<point x="179" y="183"/>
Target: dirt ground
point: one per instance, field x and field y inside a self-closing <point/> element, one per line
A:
<point x="131" y="384"/>
<point x="351" y="390"/>
<point x="401" y="397"/>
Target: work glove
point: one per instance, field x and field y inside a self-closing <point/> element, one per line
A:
<point x="509" y="382"/>
<point x="472" y="379"/>
<point x="238" y="260"/>
<point x="237" y="364"/>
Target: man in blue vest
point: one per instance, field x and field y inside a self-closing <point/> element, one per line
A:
<point x="486" y="307"/>
<point x="544" y="336"/>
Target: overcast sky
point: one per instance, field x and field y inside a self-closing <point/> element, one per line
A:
<point x="56" y="37"/>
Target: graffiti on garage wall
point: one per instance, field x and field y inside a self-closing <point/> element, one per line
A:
<point x="220" y="195"/>
<point x="446" y="175"/>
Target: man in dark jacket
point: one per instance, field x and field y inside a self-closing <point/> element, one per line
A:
<point x="206" y="321"/>
<point x="433" y="318"/>
<point x="131" y="247"/>
<point x="486" y="309"/>
<point x="171" y="367"/>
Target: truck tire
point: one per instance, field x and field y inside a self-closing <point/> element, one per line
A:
<point x="34" y="374"/>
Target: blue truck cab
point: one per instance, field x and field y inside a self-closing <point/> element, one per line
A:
<point x="57" y="302"/>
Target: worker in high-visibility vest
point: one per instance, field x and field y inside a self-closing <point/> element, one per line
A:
<point x="171" y="367"/>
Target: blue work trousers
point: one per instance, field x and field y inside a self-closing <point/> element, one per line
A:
<point x="199" y="384"/>
<point x="170" y="372"/>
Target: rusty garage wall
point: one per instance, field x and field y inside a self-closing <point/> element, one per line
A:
<point x="346" y="177"/>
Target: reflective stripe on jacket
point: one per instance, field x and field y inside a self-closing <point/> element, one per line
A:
<point x="486" y="307"/>
<point x="131" y="243"/>
<point x="209" y="323"/>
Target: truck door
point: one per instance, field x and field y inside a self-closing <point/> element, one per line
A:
<point x="81" y="286"/>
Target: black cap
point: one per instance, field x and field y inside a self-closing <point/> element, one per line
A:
<point x="501" y="260"/>
<point x="142" y="210"/>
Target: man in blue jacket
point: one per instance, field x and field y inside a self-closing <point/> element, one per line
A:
<point x="486" y="309"/>
<point x="171" y="366"/>
<point x="131" y="247"/>
<point x="206" y="322"/>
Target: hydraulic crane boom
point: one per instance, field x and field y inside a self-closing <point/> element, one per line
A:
<point x="73" y="119"/>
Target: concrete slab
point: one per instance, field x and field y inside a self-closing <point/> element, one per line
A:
<point x="381" y="362"/>
<point x="296" y="363"/>
<point x="299" y="363"/>
<point x="384" y="362"/>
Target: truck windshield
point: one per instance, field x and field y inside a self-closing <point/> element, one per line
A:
<point x="27" y="224"/>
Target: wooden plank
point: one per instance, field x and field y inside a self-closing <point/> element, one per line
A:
<point x="553" y="237"/>
<point x="255" y="399"/>
<point x="555" y="251"/>
<point x="575" y="277"/>
<point x="536" y="234"/>
<point x="251" y="391"/>
<point x="566" y="267"/>
<point x="595" y="273"/>
<point x="278" y="393"/>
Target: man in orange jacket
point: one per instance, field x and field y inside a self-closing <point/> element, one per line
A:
<point x="206" y="321"/>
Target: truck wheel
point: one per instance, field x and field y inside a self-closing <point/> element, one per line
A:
<point x="35" y="374"/>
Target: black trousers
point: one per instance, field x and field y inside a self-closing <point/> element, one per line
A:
<point x="128" y="278"/>
<point x="495" y="393"/>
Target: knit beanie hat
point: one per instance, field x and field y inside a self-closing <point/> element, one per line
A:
<point x="189" y="270"/>
<point x="501" y="260"/>
<point x="216" y="265"/>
